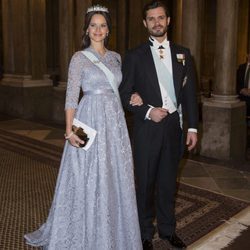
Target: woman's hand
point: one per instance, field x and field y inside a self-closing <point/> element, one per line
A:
<point x="74" y="140"/>
<point x="135" y="100"/>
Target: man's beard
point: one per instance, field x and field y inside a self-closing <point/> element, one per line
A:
<point x="158" y="33"/>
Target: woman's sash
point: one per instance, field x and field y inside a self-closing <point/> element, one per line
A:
<point x="106" y="71"/>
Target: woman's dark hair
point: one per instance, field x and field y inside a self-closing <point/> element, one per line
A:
<point x="153" y="5"/>
<point x="88" y="16"/>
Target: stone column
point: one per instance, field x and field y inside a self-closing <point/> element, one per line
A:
<point x="25" y="83"/>
<point x="122" y="34"/>
<point x="16" y="32"/>
<point x="243" y="31"/>
<point x="81" y="8"/>
<point x="137" y="33"/>
<point x="224" y="127"/>
<point x="71" y="21"/>
<point x="207" y="69"/>
<point x="52" y="37"/>
<point x="191" y="30"/>
<point x="66" y="50"/>
<point x="176" y="21"/>
<point x="66" y="37"/>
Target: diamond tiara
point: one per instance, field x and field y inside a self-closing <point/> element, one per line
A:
<point x="97" y="8"/>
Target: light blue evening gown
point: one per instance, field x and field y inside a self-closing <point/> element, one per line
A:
<point x="94" y="205"/>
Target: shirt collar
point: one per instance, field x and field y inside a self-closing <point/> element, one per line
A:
<point x="156" y="44"/>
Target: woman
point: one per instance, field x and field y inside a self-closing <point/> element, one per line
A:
<point x="94" y="205"/>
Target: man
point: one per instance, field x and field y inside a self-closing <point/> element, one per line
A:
<point x="243" y="83"/>
<point x="163" y="75"/>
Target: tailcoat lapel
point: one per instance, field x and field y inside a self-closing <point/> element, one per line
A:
<point x="149" y="67"/>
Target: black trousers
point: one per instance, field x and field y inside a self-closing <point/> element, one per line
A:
<point x="157" y="152"/>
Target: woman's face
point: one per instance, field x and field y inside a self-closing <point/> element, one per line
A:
<point x="98" y="28"/>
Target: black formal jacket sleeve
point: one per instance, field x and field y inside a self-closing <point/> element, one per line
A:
<point x="139" y="75"/>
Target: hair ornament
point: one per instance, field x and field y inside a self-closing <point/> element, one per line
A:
<point x="97" y="8"/>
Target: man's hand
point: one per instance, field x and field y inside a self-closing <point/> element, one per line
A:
<point x="135" y="100"/>
<point x="157" y="114"/>
<point x="245" y="92"/>
<point x="191" y="140"/>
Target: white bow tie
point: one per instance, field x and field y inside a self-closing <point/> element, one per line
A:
<point x="157" y="45"/>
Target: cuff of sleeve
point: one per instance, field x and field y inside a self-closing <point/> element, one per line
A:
<point x="193" y="130"/>
<point x="147" y="114"/>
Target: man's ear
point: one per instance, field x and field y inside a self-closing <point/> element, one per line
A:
<point x="145" y="24"/>
<point x="168" y="20"/>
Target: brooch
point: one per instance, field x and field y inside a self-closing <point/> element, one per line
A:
<point x="118" y="62"/>
<point x="181" y="58"/>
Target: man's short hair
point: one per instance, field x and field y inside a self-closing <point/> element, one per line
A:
<point x="153" y="5"/>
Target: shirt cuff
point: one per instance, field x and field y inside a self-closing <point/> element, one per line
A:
<point x="193" y="130"/>
<point x="147" y="114"/>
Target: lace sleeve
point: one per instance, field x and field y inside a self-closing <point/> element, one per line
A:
<point x="74" y="81"/>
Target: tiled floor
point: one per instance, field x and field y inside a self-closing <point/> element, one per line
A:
<point x="217" y="178"/>
<point x="203" y="174"/>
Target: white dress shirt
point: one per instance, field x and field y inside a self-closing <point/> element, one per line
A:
<point x="166" y="58"/>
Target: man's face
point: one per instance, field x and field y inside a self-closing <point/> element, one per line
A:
<point x="156" y="22"/>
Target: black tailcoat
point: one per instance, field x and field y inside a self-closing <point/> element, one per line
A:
<point x="157" y="146"/>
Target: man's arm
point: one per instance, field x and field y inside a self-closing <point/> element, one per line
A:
<point x="190" y="103"/>
<point x="128" y="86"/>
<point x="189" y="94"/>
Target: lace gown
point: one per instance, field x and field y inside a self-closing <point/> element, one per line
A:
<point x="94" y="205"/>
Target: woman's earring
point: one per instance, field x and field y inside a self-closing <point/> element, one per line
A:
<point x="87" y="33"/>
<point x="107" y="34"/>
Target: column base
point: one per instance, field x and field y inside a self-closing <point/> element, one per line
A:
<point x="25" y="81"/>
<point x="224" y="130"/>
<point x="20" y="96"/>
<point x="59" y="92"/>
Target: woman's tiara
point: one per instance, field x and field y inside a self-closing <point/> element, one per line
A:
<point x="97" y="8"/>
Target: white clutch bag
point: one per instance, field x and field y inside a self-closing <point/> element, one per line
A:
<point x="85" y="132"/>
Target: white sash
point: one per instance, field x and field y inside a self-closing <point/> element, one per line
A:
<point x="105" y="70"/>
<point x="164" y="77"/>
<point x="166" y="80"/>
